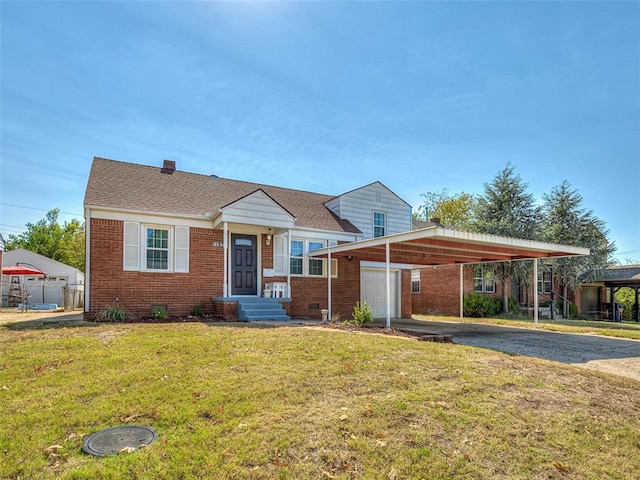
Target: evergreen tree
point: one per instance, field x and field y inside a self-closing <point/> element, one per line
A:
<point x="507" y="209"/>
<point x="568" y="223"/>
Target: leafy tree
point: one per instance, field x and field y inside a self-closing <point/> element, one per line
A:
<point x="567" y="222"/>
<point x="505" y="208"/>
<point x="452" y="209"/>
<point x="64" y="243"/>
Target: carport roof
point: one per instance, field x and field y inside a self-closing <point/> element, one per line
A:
<point x="444" y="246"/>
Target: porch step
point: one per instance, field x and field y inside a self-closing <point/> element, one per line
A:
<point x="258" y="308"/>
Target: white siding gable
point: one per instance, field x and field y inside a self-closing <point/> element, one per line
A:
<point x="257" y="208"/>
<point x="358" y="206"/>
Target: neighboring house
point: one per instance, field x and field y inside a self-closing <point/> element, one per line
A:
<point x="63" y="285"/>
<point x="160" y="238"/>
<point x="595" y="298"/>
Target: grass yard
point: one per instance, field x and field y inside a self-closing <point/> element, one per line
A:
<point x="304" y="403"/>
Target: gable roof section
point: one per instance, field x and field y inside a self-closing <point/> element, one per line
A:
<point x="377" y="182"/>
<point x="127" y="186"/>
<point x="257" y="208"/>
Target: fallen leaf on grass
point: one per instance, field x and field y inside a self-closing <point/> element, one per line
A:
<point x="126" y="450"/>
<point x="52" y="449"/>
<point x="560" y="467"/>
<point x="129" y="418"/>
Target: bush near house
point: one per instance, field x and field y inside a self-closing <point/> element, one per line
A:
<point x="478" y="306"/>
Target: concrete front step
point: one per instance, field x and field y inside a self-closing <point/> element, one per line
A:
<point x="258" y="308"/>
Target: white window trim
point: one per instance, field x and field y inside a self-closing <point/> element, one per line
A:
<point x="374" y="225"/>
<point x="170" y="253"/>
<point x="306" y="257"/>
<point x="135" y="247"/>
<point x="415" y="273"/>
<point x="486" y="281"/>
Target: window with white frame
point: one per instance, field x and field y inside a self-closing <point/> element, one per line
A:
<point x="484" y="280"/>
<point x="379" y="224"/>
<point x="155" y="248"/>
<point x="296" y="260"/>
<point x="302" y="263"/>
<point x="415" y="281"/>
<point x="544" y="282"/>
<point x="315" y="264"/>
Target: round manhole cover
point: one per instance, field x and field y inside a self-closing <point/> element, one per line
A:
<point x="115" y="440"/>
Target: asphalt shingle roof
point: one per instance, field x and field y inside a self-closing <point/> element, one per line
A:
<point x="129" y="186"/>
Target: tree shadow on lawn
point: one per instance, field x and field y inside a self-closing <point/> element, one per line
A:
<point x="70" y="320"/>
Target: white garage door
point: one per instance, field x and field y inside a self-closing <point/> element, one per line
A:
<point x="373" y="288"/>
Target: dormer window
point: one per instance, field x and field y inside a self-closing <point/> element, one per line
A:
<point x="379" y="224"/>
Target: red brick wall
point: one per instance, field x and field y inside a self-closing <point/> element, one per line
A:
<point x="440" y="290"/>
<point x="308" y="292"/>
<point x="139" y="291"/>
<point x="406" y="306"/>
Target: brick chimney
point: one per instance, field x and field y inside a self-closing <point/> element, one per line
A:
<point x="435" y="220"/>
<point x="168" y="167"/>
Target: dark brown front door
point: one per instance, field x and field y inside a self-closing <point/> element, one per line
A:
<point x="244" y="267"/>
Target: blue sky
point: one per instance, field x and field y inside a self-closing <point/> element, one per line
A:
<point x="324" y="96"/>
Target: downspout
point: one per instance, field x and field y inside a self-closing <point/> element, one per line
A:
<point x="87" y="260"/>
<point x="225" y="285"/>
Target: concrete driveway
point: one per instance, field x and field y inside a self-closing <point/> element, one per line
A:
<point x="611" y="355"/>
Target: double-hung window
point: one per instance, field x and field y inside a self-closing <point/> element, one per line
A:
<point x="157" y="249"/>
<point x="296" y="262"/>
<point x="315" y="264"/>
<point x="302" y="263"/>
<point x="379" y="224"/>
<point x="544" y="282"/>
<point x="484" y="280"/>
<point x="415" y="281"/>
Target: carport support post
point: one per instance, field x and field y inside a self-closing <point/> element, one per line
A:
<point x="535" y="292"/>
<point x="388" y="284"/>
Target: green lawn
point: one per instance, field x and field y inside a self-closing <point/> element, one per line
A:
<point x="298" y="403"/>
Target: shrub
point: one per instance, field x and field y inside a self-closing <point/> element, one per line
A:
<point x="198" y="310"/>
<point x="114" y="313"/>
<point x="573" y="310"/>
<point x="477" y="306"/>
<point x="159" y="311"/>
<point x="361" y="314"/>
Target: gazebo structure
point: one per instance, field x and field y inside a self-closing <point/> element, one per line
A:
<point x="437" y="245"/>
<point x="599" y="295"/>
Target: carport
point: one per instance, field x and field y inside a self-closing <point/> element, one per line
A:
<point x="437" y="245"/>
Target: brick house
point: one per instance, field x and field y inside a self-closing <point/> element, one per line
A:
<point x="164" y="238"/>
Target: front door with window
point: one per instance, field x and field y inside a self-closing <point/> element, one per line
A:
<point x="244" y="266"/>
